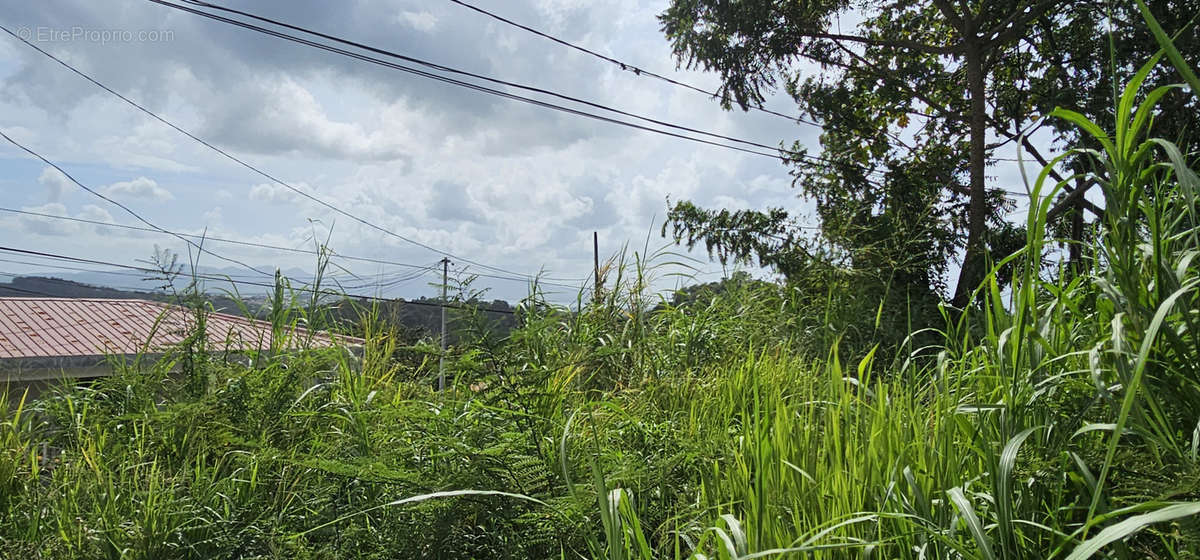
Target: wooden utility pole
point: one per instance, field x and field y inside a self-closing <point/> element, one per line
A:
<point x="441" y="384"/>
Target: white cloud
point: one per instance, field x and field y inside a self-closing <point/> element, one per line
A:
<point x="48" y="226"/>
<point x="485" y="178"/>
<point x="273" y="193"/>
<point x="55" y="183"/>
<point x="283" y="116"/>
<point x="214" y="216"/>
<point x="96" y="213"/>
<point x="55" y="227"/>
<point x="141" y="187"/>
<point x="421" y="21"/>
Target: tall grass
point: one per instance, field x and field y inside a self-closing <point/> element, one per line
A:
<point x="1057" y="420"/>
<point x="1054" y="419"/>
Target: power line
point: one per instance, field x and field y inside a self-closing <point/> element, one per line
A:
<point x="381" y="284"/>
<point x="790" y="155"/>
<point x="74" y="325"/>
<point x="452" y="70"/>
<point x="11" y="288"/>
<point x="231" y="281"/>
<point x="448" y="69"/>
<point x="453" y="81"/>
<point x="24" y="291"/>
<point x="123" y="207"/>
<point x="628" y="67"/>
<point x="376" y="61"/>
<point x="75" y="268"/>
<point x="547" y="281"/>
<point x="390" y="65"/>
<point x="248" y="282"/>
<point x="222" y="277"/>
<point x="468" y="272"/>
<point x="252" y="168"/>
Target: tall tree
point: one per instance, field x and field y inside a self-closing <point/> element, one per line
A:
<point x="914" y="99"/>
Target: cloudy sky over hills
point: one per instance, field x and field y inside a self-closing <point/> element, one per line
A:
<point x="485" y="178"/>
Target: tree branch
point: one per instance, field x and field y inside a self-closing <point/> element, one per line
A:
<point x="955" y="19"/>
<point x="1013" y="137"/>
<point x="869" y="68"/>
<point x="1016" y="24"/>
<point x="1073" y="196"/>
<point x="893" y="43"/>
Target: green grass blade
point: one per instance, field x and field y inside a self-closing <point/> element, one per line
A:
<point x="973" y="524"/>
<point x="1127" y="527"/>
<point x="1134" y="386"/>
<point x="1168" y="45"/>
<point x="1008" y="460"/>
<point x="422" y="498"/>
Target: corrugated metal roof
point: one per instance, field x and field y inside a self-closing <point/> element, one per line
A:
<point x="64" y="327"/>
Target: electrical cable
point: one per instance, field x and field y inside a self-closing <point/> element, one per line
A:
<point x="625" y="65"/>
<point x="250" y="167"/>
<point x="198" y="247"/>
<point x="550" y="281"/>
<point x="453" y="81"/>
<point x="247" y="282"/>
<point x="11" y="288"/>
<point x="452" y="70"/>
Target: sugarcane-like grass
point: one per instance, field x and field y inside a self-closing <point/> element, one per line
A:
<point x="1057" y="417"/>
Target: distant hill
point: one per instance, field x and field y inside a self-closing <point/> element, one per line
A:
<point x="420" y="318"/>
<point x="41" y="286"/>
<point x="136" y="283"/>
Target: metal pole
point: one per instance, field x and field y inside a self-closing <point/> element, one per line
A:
<point x="441" y="385"/>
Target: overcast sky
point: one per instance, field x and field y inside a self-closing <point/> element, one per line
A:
<point x="484" y="178"/>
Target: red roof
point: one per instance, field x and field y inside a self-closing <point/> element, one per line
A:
<point x="64" y="327"/>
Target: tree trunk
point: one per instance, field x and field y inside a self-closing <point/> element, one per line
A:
<point x="973" y="267"/>
<point x="1076" y="248"/>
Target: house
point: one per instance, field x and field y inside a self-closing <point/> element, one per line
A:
<point x="43" y="339"/>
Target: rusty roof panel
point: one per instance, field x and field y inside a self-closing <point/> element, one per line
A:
<point x="56" y="327"/>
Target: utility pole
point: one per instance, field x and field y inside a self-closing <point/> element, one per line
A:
<point x="596" y="265"/>
<point x="441" y="385"/>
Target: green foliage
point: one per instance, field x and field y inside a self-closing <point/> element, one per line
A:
<point x="916" y="100"/>
<point x="740" y="419"/>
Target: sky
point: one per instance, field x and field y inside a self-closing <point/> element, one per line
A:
<point x="485" y="179"/>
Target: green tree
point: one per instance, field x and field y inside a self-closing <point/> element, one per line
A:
<point x="914" y="99"/>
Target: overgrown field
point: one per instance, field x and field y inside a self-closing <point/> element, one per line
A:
<point x="1055" y="418"/>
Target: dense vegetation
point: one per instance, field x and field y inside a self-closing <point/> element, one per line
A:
<point x="916" y="101"/>
<point x="1056" y="418"/>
